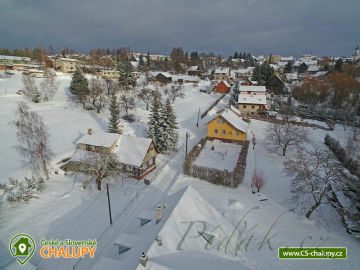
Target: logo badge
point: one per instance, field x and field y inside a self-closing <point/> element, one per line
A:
<point x="22" y="246"/>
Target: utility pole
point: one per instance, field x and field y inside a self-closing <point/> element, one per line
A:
<point x="197" y="124"/>
<point x="186" y="144"/>
<point x="108" y="195"/>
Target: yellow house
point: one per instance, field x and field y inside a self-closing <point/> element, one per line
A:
<point x="227" y="126"/>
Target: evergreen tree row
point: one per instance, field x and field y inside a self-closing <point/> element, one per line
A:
<point x="163" y="126"/>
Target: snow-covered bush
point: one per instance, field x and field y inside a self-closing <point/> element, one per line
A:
<point x="257" y="180"/>
<point x="349" y="163"/>
<point x="16" y="191"/>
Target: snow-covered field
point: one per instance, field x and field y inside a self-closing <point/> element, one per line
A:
<point x="64" y="211"/>
<point x="218" y="155"/>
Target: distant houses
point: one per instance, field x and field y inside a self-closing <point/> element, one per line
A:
<point x="13" y="62"/>
<point x="227" y="126"/>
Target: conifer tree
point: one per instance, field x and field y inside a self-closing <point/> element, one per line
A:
<point x="126" y="78"/>
<point x="155" y="125"/>
<point x="141" y="65"/>
<point x="114" y="115"/>
<point x="169" y="127"/>
<point x="79" y="87"/>
<point x="36" y="97"/>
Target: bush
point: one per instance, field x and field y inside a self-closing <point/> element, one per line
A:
<point x="349" y="163"/>
<point x="246" y="119"/>
<point x="22" y="191"/>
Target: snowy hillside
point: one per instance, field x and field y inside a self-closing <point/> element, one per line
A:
<point x="262" y="221"/>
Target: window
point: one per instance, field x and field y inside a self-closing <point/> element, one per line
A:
<point x="215" y="131"/>
<point x="88" y="147"/>
<point x="249" y="92"/>
<point x="252" y="107"/>
<point x="220" y="121"/>
<point x="237" y="133"/>
<point x="97" y="148"/>
<point x="223" y="132"/>
<point x="244" y="106"/>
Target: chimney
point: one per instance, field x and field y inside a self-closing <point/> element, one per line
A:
<point x="90" y="131"/>
<point x="143" y="259"/>
<point x="159" y="214"/>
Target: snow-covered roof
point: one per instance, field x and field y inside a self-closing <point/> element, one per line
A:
<point x="189" y="205"/>
<point x="127" y="239"/>
<point x="193" y="68"/>
<point x="252" y="99"/>
<point x="14" y="58"/>
<point x="313" y="68"/>
<point x="226" y="83"/>
<point x="233" y="119"/>
<point x="291" y="76"/>
<point x="287" y="58"/>
<point x="68" y="60"/>
<point x="221" y="71"/>
<point x="252" y="88"/>
<point x="100" y="138"/>
<point x="319" y="74"/>
<point x="131" y="150"/>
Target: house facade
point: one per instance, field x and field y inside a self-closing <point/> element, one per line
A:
<point x="109" y="74"/>
<point x="222" y="87"/>
<point x="275" y="85"/>
<point x="66" y="65"/>
<point x="133" y="156"/>
<point x="162" y="78"/>
<point x="221" y="74"/>
<point x="227" y="126"/>
<point x="251" y="99"/>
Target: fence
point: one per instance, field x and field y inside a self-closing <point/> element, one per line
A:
<point x="216" y="176"/>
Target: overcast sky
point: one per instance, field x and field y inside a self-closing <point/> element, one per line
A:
<point x="286" y="27"/>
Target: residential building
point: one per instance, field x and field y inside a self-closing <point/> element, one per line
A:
<point x="8" y="62"/>
<point x="66" y="65"/>
<point x="275" y="85"/>
<point x="251" y="99"/>
<point x="221" y="74"/>
<point x="222" y="87"/>
<point x="227" y="126"/>
<point x="109" y="74"/>
<point x="134" y="156"/>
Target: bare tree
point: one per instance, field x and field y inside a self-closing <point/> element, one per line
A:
<point x="30" y="89"/>
<point x="127" y="103"/>
<point x="110" y="86"/>
<point x="146" y="95"/>
<point x="173" y="92"/>
<point x="257" y="180"/>
<point x="97" y="164"/>
<point x="49" y="85"/>
<point x="316" y="175"/>
<point x="33" y="139"/>
<point x="285" y="135"/>
<point x="97" y="96"/>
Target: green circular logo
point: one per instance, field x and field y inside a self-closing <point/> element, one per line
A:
<point x="22" y="246"/>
